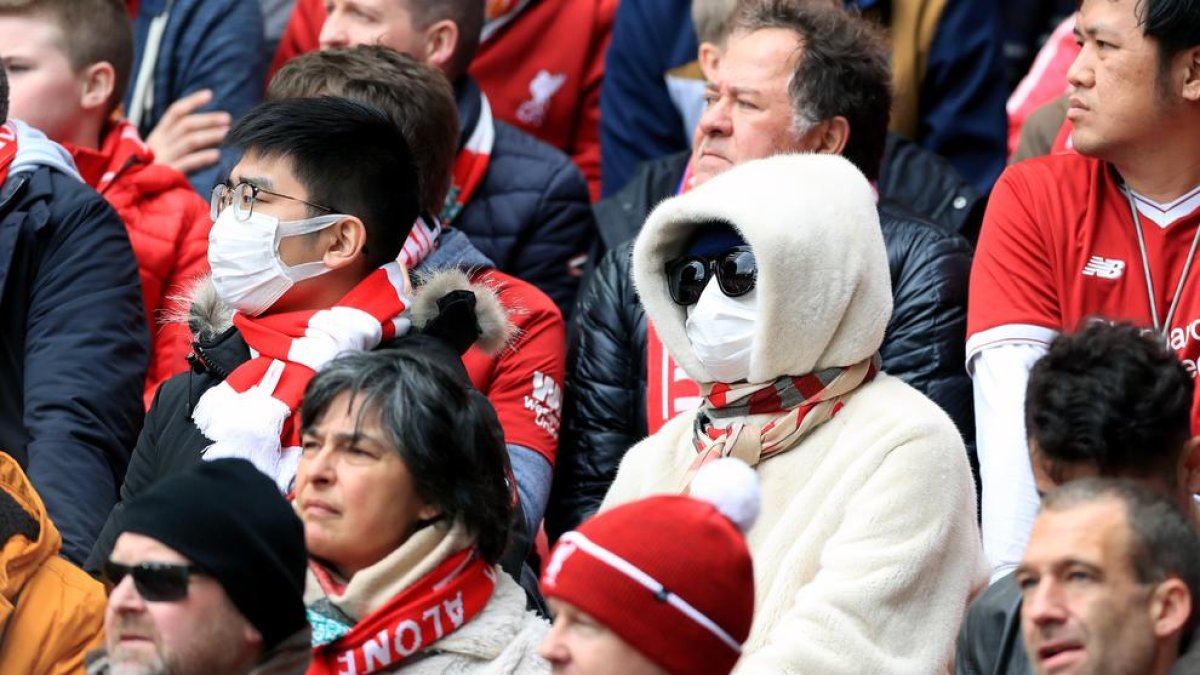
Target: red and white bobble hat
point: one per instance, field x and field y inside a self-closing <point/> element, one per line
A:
<point x="670" y="575"/>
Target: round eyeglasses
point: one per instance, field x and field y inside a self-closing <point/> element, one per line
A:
<point x="242" y="197"/>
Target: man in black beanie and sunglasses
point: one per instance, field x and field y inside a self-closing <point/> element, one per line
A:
<point x="207" y="577"/>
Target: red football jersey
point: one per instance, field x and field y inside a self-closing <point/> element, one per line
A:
<point x="1059" y="247"/>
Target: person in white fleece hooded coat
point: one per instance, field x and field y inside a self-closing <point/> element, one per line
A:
<point x="867" y="551"/>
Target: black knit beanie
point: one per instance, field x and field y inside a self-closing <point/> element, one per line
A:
<point x="230" y="520"/>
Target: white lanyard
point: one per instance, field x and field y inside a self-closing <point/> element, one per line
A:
<point x="1163" y="328"/>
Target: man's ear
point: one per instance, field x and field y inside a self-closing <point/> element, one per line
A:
<point x="251" y="635"/>
<point x="441" y="42"/>
<point x="831" y="135"/>
<point x="99" y="83"/>
<point x="345" y="241"/>
<point x="1170" y="607"/>
<point x="1191" y="78"/>
<point x="709" y="58"/>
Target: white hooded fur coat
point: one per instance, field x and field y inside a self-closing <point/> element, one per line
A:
<point x="867" y="552"/>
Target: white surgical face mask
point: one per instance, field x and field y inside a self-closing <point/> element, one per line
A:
<point x="244" y="257"/>
<point x="721" y="330"/>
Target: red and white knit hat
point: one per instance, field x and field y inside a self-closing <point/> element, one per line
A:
<point x="671" y="575"/>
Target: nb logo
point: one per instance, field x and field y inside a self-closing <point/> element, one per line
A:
<point x="1104" y="268"/>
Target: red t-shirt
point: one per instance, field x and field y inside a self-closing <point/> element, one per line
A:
<point x="1058" y="247"/>
<point x="524" y="381"/>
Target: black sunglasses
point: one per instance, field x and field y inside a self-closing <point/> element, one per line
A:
<point x="156" y="582"/>
<point x="736" y="272"/>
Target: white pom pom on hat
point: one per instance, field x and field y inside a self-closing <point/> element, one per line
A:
<point x="731" y="486"/>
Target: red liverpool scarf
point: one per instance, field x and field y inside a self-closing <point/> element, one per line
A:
<point x="8" y="149"/>
<point x="438" y="604"/>
<point x="800" y="404"/>
<point x="669" y="391"/>
<point x="254" y="413"/>
<point x="471" y="163"/>
<point x="121" y="148"/>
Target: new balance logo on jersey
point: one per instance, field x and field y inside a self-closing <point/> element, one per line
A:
<point x="1105" y="268"/>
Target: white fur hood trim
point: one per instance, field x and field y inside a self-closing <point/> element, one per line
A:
<point x="824" y="289"/>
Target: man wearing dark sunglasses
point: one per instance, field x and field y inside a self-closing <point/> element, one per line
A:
<point x="207" y="577"/>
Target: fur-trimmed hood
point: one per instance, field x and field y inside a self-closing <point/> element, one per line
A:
<point x="208" y="316"/>
<point x="824" y="289"/>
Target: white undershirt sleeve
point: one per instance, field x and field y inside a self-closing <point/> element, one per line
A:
<point x="1000" y="373"/>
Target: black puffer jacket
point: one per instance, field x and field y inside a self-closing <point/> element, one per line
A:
<point x="532" y="212"/>
<point x="605" y="408"/>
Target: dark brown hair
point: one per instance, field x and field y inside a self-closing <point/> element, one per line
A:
<point x="417" y="97"/>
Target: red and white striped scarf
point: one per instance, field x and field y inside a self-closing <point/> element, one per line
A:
<point x="254" y="413"/>
<point x="471" y="163"/>
<point x="422" y="240"/>
<point x="800" y="404"/>
<point x="8" y="148"/>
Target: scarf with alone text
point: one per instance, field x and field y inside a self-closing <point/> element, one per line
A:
<point x="254" y="413"/>
<point x="8" y="149"/>
<point x="799" y="405"/>
<point x="471" y="163"/>
<point x="438" y="604"/>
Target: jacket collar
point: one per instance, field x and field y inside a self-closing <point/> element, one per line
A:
<point x="454" y="251"/>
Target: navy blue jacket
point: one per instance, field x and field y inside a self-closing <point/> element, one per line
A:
<point x="531" y="214"/>
<point x="73" y="348"/>
<point x="207" y="44"/>
<point x="962" y="115"/>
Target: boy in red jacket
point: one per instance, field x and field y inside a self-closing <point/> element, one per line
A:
<point x="69" y="63"/>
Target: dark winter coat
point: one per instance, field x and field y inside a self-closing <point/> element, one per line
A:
<point x="605" y="409"/>
<point x="531" y="214"/>
<point x="73" y="347"/>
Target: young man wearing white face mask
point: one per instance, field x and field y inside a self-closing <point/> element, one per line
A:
<point x="305" y="256"/>
<point x="775" y="300"/>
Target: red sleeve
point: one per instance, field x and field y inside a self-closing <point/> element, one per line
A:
<point x="585" y="150"/>
<point x="301" y="35"/>
<point x="1012" y="279"/>
<point x="524" y="382"/>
